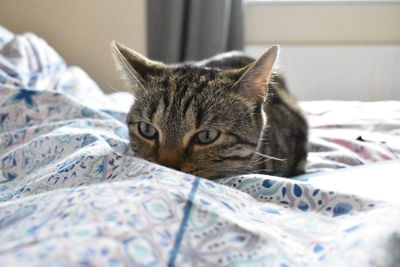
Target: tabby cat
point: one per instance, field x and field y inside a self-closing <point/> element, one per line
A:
<point x="224" y="116"/>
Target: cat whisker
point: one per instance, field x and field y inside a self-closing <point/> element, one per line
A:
<point x="268" y="157"/>
<point x="262" y="158"/>
<point x="113" y="88"/>
<point x="259" y="161"/>
<point x="262" y="155"/>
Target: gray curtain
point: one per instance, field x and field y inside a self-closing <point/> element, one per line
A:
<point x="181" y="30"/>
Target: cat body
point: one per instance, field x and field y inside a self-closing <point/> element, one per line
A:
<point x="224" y="116"/>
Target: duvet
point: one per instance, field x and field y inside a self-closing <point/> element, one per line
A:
<point x="73" y="194"/>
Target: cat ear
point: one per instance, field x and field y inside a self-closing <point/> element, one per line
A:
<point x="134" y="67"/>
<point x="253" y="83"/>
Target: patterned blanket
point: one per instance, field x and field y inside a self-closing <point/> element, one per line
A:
<point x="73" y="194"/>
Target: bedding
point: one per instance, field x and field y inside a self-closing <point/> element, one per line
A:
<point x="72" y="193"/>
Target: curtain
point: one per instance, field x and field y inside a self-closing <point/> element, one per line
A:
<point x="182" y="30"/>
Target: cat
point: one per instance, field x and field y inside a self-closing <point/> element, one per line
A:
<point x="224" y="116"/>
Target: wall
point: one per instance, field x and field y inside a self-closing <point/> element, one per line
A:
<point x="345" y="72"/>
<point x="81" y="31"/>
<point x="347" y="50"/>
<point x="323" y="22"/>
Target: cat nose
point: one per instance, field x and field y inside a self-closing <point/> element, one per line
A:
<point x="171" y="159"/>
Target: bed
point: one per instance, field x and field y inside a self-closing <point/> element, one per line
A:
<point x="72" y="193"/>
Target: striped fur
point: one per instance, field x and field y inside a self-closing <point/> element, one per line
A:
<point x="261" y="127"/>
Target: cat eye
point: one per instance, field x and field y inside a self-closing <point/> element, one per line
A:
<point x="147" y="130"/>
<point x="206" y="137"/>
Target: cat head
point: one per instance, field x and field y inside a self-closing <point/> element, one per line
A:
<point x="200" y="120"/>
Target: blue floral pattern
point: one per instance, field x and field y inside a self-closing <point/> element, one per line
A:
<point x="73" y="193"/>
